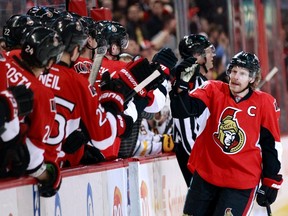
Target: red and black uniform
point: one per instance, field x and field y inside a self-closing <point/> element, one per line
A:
<point x="83" y="66"/>
<point x="252" y="118"/>
<point x="238" y="139"/>
<point x="39" y="123"/>
<point x="77" y="101"/>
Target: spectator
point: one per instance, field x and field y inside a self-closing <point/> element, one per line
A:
<point x="155" y="22"/>
<point x="166" y="36"/>
<point x="133" y="48"/>
<point x="120" y="18"/>
<point x="147" y="50"/>
<point x="120" y="6"/>
<point x="135" y="27"/>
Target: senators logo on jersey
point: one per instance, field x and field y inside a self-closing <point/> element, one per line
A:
<point x="230" y="137"/>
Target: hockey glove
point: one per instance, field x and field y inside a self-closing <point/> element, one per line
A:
<point x="124" y="125"/>
<point x="167" y="143"/>
<point x="137" y="71"/>
<point x="74" y="141"/>
<point x="49" y="187"/>
<point x="267" y="193"/>
<point x="9" y="107"/>
<point x="185" y="70"/>
<point x="112" y="94"/>
<point x="15" y="158"/>
<point x="167" y="59"/>
<point x="24" y="97"/>
<point x="91" y="155"/>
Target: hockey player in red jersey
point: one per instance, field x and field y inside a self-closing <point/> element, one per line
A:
<point x="117" y="40"/>
<point x="83" y="64"/>
<point x="80" y="117"/>
<point x="197" y="54"/>
<point x="239" y="146"/>
<point x="41" y="48"/>
<point x="15" y="29"/>
<point x="113" y="35"/>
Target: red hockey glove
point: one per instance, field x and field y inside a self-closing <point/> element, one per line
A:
<point x="136" y="72"/>
<point x="9" y="107"/>
<point x="24" y="97"/>
<point x="267" y="193"/>
<point x="50" y="187"/>
<point x="124" y="125"/>
<point x="112" y="94"/>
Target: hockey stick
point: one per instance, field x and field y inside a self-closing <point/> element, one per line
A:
<point x="268" y="208"/>
<point x="100" y="53"/>
<point x="143" y="84"/>
<point x="268" y="77"/>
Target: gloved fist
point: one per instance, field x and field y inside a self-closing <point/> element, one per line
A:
<point x="267" y="193"/>
<point x="50" y="186"/>
<point x="165" y="57"/>
<point x="112" y="94"/>
<point x="74" y="141"/>
<point x="24" y="97"/>
<point x="9" y="107"/>
<point x="91" y="155"/>
<point x="15" y="158"/>
<point x="186" y="69"/>
<point x="124" y="125"/>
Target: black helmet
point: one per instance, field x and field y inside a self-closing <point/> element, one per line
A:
<point x="33" y="10"/>
<point x="75" y="15"/>
<point x="40" y="11"/>
<point x="72" y="32"/>
<point x="16" y="27"/>
<point x="40" y="45"/>
<point x="47" y="15"/>
<point x="191" y="44"/>
<point x="112" y="32"/>
<point x="89" y="25"/>
<point x="245" y="60"/>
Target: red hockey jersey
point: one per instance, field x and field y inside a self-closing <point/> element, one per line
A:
<point x="227" y="153"/>
<point x="40" y="121"/>
<point x="83" y="66"/>
<point x="77" y="100"/>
